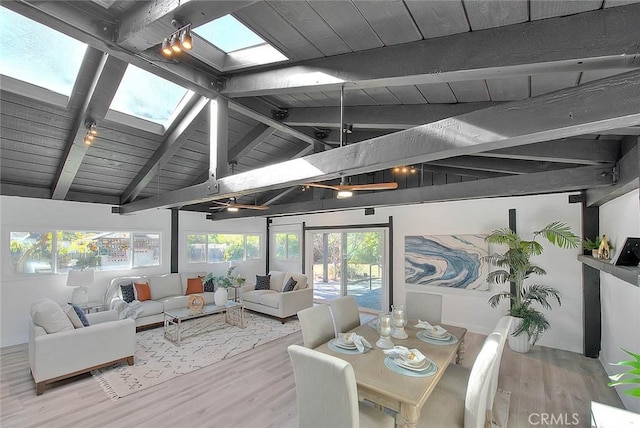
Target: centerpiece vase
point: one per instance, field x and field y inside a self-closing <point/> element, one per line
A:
<point x="220" y="296"/>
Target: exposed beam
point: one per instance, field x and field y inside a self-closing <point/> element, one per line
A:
<point x="150" y="23"/>
<point x="627" y="175"/>
<point x="511" y="166"/>
<point x="461" y="172"/>
<point x="11" y="189"/>
<point x="516" y="185"/>
<point x="176" y="138"/>
<point x="250" y="141"/>
<point x="629" y="130"/>
<point x="606" y="103"/>
<point x="542" y="46"/>
<point x="103" y="73"/>
<point x="379" y="117"/>
<point x="567" y="150"/>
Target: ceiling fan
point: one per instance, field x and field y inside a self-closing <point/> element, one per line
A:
<point x="233" y="206"/>
<point x="346" y="190"/>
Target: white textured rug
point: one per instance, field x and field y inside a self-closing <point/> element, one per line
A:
<point x="206" y="341"/>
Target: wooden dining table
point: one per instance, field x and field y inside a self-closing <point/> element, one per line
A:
<point x="403" y="394"/>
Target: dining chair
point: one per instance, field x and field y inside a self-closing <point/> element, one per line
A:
<point x="456" y="377"/>
<point x="446" y="409"/>
<point x="424" y="306"/>
<point x="317" y="325"/>
<point x="327" y="394"/>
<point x="346" y="316"/>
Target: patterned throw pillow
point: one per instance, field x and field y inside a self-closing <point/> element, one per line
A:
<point x="209" y="286"/>
<point x="263" y="282"/>
<point x="289" y="286"/>
<point x="81" y="315"/>
<point x="127" y="292"/>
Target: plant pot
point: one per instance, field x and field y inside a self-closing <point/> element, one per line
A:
<point x="520" y="343"/>
<point x="594" y="253"/>
<point x="220" y="296"/>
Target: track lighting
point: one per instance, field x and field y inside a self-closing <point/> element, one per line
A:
<point x="178" y="41"/>
<point x="232" y="209"/>
<point x="344" y="194"/>
<point x="92" y="132"/>
<point x="404" y="169"/>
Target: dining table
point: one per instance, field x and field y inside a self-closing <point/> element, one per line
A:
<point x="403" y="393"/>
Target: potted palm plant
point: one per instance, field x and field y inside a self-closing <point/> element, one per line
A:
<point x="514" y="265"/>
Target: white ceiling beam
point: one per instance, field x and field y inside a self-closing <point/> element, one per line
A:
<point x="250" y="141"/>
<point x="627" y="179"/>
<point x="602" y="104"/>
<point x="605" y="38"/>
<point x="567" y="150"/>
<point x="505" y="166"/>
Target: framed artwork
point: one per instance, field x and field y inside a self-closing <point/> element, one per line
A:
<point x="446" y="261"/>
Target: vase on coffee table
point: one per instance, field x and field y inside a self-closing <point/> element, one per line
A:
<point x="220" y="296"/>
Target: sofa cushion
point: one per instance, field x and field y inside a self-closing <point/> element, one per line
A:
<point x="277" y="280"/>
<point x="81" y="315"/>
<point x="151" y="307"/>
<point x="126" y="290"/>
<point x="194" y="285"/>
<point x="142" y="291"/>
<point x="73" y="316"/>
<point x="49" y="315"/>
<point x="301" y="278"/>
<point x="165" y="286"/>
<point x="289" y="286"/>
<point x="253" y="296"/>
<point x="271" y="300"/>
<point x="263" y="282"/>
<point x="209" y="286"/>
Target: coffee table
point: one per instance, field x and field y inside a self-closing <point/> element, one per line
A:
<point x="173" y="318"/>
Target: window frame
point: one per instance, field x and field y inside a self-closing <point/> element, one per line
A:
<point x="287" y="246"/>
<point x="206" y="236"/>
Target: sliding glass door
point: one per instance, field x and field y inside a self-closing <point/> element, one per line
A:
<point x="350" y="263"/>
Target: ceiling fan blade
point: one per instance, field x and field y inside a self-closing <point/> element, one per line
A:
<point x="250" y="207"/>
<point x="321" y="186"/>
<point x="221" y="205"/>
<point x="372" y="186"/>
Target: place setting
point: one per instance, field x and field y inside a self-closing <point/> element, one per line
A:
<point x="349" y="343"/>
<point x="435" y="335"/>
<point x="409" y="362"/>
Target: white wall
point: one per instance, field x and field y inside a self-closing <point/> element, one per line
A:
<point x="620" y="300"/>
<point x="469" y="308"/>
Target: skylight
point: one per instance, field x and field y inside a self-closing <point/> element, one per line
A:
<point x="27" y="54"/>
<point x="228" y="34"/>
<point x="147" y="96"/>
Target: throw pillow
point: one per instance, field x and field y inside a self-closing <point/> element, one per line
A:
<point x="263" y="282"/>
<point x="73" y="316"/>
<point x="209" y="286"/>
<point x="127" y="292"/>
<point x="49" y="315"/>
<point x="194" y="286"/>
<point x="143" y="292"/>
<point x="289" y="286"/>
<point x="81" y="315"/>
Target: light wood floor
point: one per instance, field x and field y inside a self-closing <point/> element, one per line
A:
<point x="256" y="389"/>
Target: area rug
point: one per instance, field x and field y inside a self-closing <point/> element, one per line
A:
<point x="206" y="341"/>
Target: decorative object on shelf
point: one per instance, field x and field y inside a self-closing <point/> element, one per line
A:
<point x="220" y="296"/>
<point x="399" y="320"/>
<point x="591" y="246"/>
<point x="632" y="379"/>
<point x="81" y="279"/>
<point x="604" y="249"/>
<point x="514" y="265"/>
<point x="196" y="303"/>
<point x="385" y="331"/>
<point x="629" y="255"/>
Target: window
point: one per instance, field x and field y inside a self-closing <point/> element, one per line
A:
<point x="61" y="251"/>
<point x="287" y="246"/>
<point x="222" y="247"/>
<point x="27" y="54"/>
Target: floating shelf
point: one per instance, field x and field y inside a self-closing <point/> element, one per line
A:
<point x="626" y="273"/>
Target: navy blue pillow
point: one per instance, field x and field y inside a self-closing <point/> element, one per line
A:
<point x="289" y="286"/>
<point x="80" y="312"/>
<point x="209" y="286"/>
<point x="127" y="292"/>
<point x="263" y="282"/>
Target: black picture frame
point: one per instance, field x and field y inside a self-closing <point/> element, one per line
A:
<point x="629" y="254"/>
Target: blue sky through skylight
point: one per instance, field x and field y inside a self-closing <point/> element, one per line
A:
<point x="228" y="34"/>
<point x="147" y="96"/>
<point x="37" y="54"/>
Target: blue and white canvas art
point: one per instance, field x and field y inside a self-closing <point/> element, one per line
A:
<point x="446" y="261"/>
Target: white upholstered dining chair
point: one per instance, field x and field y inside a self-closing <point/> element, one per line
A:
<point x="446" y="409"/>
<point x="345" y="314"/>
<point x="424" y="306"/>
<point x="317" y="325"/>
<point x="327" y="394"/>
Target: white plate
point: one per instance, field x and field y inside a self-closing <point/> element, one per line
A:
<point x="446" y="336"/>
<point x="341" y="343"/>
<point x="426" y="364"/>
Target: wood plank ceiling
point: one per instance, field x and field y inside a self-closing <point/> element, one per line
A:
<point x="406" y="67"/>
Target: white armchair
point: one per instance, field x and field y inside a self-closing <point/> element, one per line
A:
<point x="56" y="356"/>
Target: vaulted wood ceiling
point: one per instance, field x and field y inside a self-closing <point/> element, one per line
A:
<point x="485" y="98"/>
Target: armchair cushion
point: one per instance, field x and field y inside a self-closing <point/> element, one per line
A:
<point x="49" y="315"/>
<point x="290" y="285"/>
<point x="81" y="315"/>
<point x="263" y="282"/>
<point x="70" y="312"/>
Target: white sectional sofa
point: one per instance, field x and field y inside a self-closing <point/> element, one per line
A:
<point x="167" y="292"/>
<point x="274" y="301"/>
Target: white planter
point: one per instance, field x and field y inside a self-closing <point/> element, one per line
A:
<point x="220" y="296"/>
<point x="521" y="342"/>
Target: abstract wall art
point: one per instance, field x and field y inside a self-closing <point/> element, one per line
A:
<point x="446" y="261"/>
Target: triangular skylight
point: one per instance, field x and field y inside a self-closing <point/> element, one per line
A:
<point x="228" y="34"/>
<point x="37" y="54"/>
<point x="147" y="96"/>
